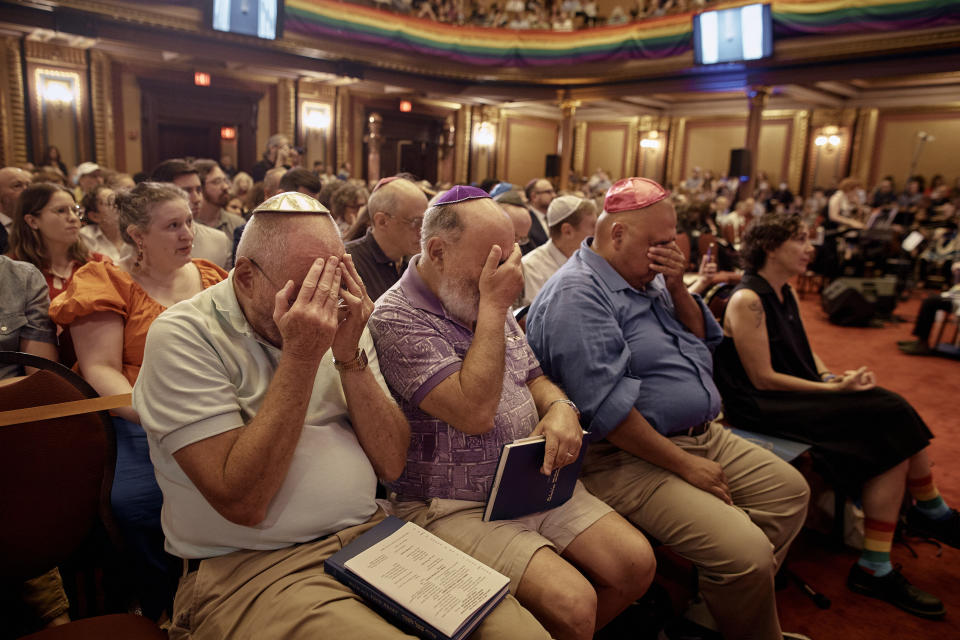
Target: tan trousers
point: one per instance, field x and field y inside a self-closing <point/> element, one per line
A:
<point x="285" y="594"/>
<point x="736" y="549"/>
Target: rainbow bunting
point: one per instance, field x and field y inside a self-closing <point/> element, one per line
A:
<point x="647" y="39"/>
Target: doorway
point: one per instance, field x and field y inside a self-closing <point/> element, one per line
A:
<point x="188" y="141"/>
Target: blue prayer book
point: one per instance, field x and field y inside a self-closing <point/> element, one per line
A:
<point x="417" y="581"/>
<point x="519" y="488"/>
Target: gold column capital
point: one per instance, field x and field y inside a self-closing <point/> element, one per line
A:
<point x="758" y="96"/>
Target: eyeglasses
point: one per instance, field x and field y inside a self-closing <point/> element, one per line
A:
<point x="545" y="191"/>
<point x="414" y="224"/>
<point x="340" y="303"/>
<point x="67" y="209"/>
<point x="260" y="269"/>
<point x="218" y="181"/>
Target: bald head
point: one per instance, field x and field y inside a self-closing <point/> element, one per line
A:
<point x="396" y="214"/>
<point x="458" y="241"/>
<point x="271" y="181"/>
<point x="521" y="220"/>
<point x="13" y="181"/>
<point x="624" y="238"/>
<point x="276" y="248"/>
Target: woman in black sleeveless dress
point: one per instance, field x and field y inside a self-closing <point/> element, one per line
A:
<point x="867" y="440"/>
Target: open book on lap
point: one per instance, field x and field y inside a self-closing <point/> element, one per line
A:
<point x="418" y="581"/>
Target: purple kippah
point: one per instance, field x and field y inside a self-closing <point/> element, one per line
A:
<point x="461" y="193"/>
<point x="630" y="194"/>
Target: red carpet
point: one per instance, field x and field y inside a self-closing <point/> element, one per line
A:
<point x="932" y="385"/>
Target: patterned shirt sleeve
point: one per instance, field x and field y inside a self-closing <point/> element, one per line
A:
<point x="414" y="355"/>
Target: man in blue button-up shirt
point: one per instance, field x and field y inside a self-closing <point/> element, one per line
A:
<point x="616" y="328"/>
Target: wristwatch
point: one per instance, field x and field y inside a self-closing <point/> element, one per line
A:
<point x="359" y="362"/>
<point x="566" y="401"/>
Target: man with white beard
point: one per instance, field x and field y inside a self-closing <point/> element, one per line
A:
<point x="468" y="383"/>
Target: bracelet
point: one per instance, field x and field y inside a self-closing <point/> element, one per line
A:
<point x="565" y="401"/>
<point x="826" y="376"/>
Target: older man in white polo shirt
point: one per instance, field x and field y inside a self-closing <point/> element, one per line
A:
<point x="269" y="424"/>
<point x="569" y="219"/>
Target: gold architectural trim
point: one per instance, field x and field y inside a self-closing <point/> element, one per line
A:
<point x="921" y="110"/>
<point x="358" y="128"/>
<point x="798" y="143"/>
<point x="579" y="147"/>
<point x="101" y="104"/>
<point x="139" y="13"/>
<point x="14" y="112"/>
<point x="341" y="117"/>
<point x="633" y="143"/>
<point x="864" y="142"/>
<point x="676" y="136"/>
<point x="463" y="137"/>
<point x="62" y="56"/>
<point x="286" y="108"/>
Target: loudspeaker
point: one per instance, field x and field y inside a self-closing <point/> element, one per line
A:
<point x="739" y="163"/>
<point x="552" y="168"/>
<point x="878" y="293"/>
<point x="847" y="307"/>
<point x="856" y="301"/>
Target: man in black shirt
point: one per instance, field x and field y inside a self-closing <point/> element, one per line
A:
<point x="396" y="209"/>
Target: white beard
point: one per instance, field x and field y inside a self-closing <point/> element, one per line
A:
<point x="461" y="299"/>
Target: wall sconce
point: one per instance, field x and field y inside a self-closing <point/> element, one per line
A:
<point x="485" y="135"/>
<point x="827" y="141"/>
<point x="651" y="141"/>
<point x="57" y="92"/>
<point x="316" y="116"/>
<point x="828" y="138"/>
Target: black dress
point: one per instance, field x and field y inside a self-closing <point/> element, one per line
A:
<point x="854" y="435"/>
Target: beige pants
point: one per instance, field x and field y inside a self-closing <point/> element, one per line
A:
<point x="285" y="594"/>
<point x="736" y="549"/>
<point x="506" y="545"/>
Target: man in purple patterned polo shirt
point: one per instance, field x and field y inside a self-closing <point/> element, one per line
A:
<point x="468" y="383"/>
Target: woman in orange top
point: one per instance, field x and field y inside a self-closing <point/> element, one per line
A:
<point x="109" y="309"/>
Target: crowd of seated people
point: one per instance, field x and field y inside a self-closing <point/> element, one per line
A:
<point x="395" y="300"/>
<point x="556" y="15"/>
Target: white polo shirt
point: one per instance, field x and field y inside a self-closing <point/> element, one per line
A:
<point x="213" y="245"/>
<point x="538" y="266"/>
<point x="206" y="372"/>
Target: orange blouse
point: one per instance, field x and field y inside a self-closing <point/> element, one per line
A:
<point x="102" y="286"/>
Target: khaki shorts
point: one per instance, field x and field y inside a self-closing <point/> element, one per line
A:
<point x="505" y="545"/>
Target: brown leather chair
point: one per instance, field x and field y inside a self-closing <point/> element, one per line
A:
<point x="56" y="476"/>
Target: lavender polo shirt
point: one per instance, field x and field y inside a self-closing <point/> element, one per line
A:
<point x="419" y="346"/>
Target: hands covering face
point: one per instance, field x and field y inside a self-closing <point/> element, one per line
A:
<point x="330" y="311"/>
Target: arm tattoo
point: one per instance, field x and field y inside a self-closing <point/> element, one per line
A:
<point x="757" y="309"/>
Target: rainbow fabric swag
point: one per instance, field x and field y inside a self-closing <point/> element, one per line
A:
<point x="652" y="38"/>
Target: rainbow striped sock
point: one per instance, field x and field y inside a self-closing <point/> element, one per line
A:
<point x="929" y="501"/>
<point x="877" y="541"/>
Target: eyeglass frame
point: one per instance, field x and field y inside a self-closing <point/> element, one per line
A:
<point x="75" y="208"/>
<point x="340" y="302"/>
<point x="415" y="224"/>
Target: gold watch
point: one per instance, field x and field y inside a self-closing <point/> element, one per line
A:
<point x="359" y="362"/>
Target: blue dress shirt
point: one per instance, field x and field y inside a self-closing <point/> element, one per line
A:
<point x="612" y="347"/>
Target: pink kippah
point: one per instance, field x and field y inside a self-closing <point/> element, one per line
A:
<point x="383" y="182"/>
<point x="630" y="194"/>
<point x="461" y="193"/>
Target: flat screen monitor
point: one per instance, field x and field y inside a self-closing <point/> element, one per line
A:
<point x="733" y="35"/>
<point x="260" y="18"/>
